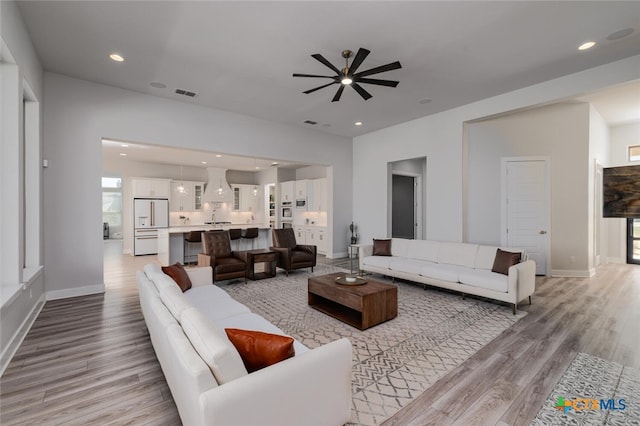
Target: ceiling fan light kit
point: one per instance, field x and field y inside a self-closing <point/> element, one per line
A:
<point x="348" y="75"/>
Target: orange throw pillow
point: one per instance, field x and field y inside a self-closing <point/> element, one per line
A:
<point x="259" y="350"/>
<point x="179" y="275"/>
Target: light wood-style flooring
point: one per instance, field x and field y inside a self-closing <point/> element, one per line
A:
<point x="89" y="360"/>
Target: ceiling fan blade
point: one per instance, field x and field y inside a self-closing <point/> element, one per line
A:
<point x="360" y="56"/>
<point x="319" y="87"/>
<point x="318" y="57"/>
<point x="382" y="68"/>
<point x="365" y="95"/>
<point x="377" y="81"/>
<point x="336" y="98"/>
<point x="313" y="75"/>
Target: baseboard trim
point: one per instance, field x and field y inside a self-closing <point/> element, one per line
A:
<point x="338" y="255"/>
<point x="616" y="260"/>
<point x="74" y="292"/>
<point x="20" y="334"/>
<point x="573" y="273"/>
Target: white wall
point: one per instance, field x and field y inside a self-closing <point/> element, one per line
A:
<point x="621" y="137"/>
<point x="598" y="155"/>
<point x="78" y="114"/>
<point x="22" y="291"/>
<point x="440" y="138"/>
<point x="559" y="132"/>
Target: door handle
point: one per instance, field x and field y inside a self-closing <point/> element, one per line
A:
<point x="543" y="232"/>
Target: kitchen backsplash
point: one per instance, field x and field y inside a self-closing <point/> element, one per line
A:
<point x="223" y="213"/>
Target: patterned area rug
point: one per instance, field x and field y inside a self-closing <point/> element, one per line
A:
<point x="593" y="378"/>
<point x="395" y="361"/>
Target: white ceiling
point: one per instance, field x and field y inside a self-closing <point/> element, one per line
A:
<point x="239" y="56"/>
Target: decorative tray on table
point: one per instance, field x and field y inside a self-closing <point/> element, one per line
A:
<point x="350" y="280"/>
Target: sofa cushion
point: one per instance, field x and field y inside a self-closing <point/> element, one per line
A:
<point x="174" y="300"/>
<point x="441" y="271"/>
<point x="485" y="257"/>
<point x="409" y="266"/>
<point x="423" y="250"/>
<point x="377" y="261"/>
<point x="461" y="254"/>
<point x="179" y="275"/>
<point x="504" y="260"/>
<point x="382" y="247"/>
<point x="258" y="349"/>
<point x="213" y="346"/>
<point x="399" y="247"/>
<point x="152" y="270"/>
<point x="251" y="321"/>
<point x="484" y="279"/>
<point x="214" y="303"/>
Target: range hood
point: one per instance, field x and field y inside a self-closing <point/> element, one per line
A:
<point x="217" y="189"/>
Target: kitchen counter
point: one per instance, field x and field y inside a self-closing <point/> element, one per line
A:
<point x="189" y="228"/>
<point x="171" y="248"/>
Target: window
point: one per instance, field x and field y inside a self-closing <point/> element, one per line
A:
<point x="634" y="153"/>
<point x="112" y="207"/>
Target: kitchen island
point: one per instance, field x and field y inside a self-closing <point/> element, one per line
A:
<point x="171" y="240"/>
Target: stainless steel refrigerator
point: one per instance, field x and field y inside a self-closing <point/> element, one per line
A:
<point x="149" y="215"/>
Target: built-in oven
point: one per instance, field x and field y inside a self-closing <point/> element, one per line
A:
<point x="301" y="203"/>
<point x="286" y="210"/>
<point x="287" y="225"/>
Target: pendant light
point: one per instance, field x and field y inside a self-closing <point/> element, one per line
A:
<point x="255" y="188"/>
<point x="181" y="189"/>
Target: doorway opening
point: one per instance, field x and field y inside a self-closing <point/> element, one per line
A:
<point x="633" y="241"/>
<point x="406" y="195"/>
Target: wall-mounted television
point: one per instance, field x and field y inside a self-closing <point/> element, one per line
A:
<point x="621" y="191"/>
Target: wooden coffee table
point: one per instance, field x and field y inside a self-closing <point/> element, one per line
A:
<point x="361" y="306"/>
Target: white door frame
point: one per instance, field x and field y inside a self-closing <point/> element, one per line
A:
<point x="417" y="197"/>
<point x="503" y="200"/>
<point x="597" y="214"/>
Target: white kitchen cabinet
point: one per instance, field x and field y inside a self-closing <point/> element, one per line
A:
<point x="322" y="240"/>
<point x="287" y="191"/>
<point x="304" y="189"/>
<point x="319" y="199"/>
<point x="312" y="235"/>
<point x="244" y="198"/>
<point x="190" y="201"/>
<point x="150" y="188"/>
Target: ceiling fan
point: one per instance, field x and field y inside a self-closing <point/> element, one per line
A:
<point x="348" y="75"/>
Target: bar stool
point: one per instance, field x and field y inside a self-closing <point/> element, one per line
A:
<point x="250" y="234"/>
<point x="193" y="237"/>
<point x="235" y="234"/>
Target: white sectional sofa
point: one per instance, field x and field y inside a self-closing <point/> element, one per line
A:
<point x="187" y="333"/>
<point x="455" y="266"/>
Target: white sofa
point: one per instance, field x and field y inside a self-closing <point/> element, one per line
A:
<point x="455" y="266"/>
<point x="187" y="333"/>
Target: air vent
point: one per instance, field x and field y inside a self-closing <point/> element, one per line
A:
<point x="188" y="93"/>
<point x="313" y="123"/>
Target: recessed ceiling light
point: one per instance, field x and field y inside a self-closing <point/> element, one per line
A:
<point x="218" y="155"/>
<point x="124" y="145"/>
<point x="203" y="162"/>
<point x="123" y="154"/>
<point x="358" y="123"/>
<point x="275" y="163"/>
<point x="620" y="34"/>
<point x="116" y="57"/>
<point x="158" y="85"/>
<point x="257" y="167"/>
<point x="587" y="45"/>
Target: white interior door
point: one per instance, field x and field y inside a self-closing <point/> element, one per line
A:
<point x="526" y="209"/>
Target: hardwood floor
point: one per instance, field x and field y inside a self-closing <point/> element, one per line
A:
<point x="88" y="360"/>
